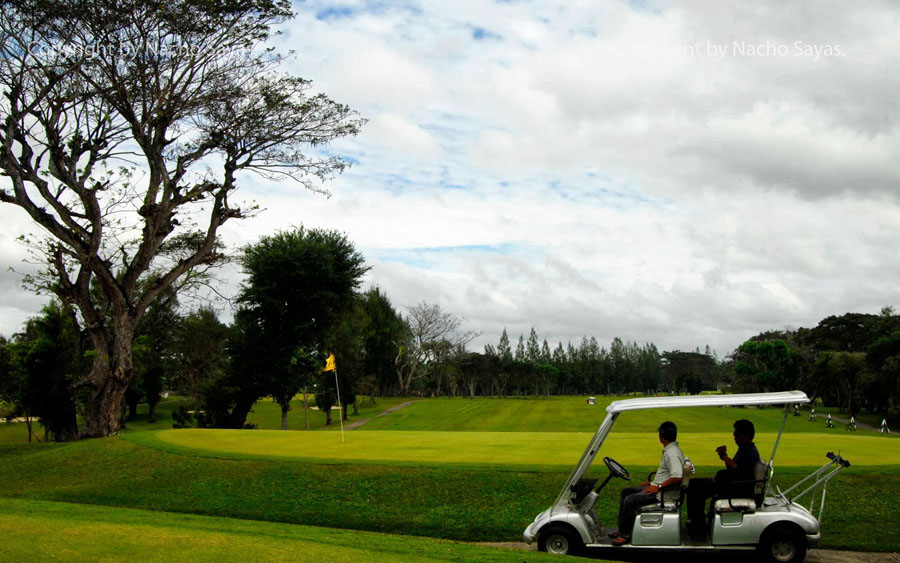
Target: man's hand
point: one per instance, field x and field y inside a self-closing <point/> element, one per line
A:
<point x="651" y="489"/>
<point x="645" y="484"/>
<point x="722" y="451"/>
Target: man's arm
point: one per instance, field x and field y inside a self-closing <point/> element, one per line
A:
<point x="653" y="489"/>
<point x="723" y="455"/>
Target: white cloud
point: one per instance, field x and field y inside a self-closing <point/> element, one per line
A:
<point x="592" y="168"/>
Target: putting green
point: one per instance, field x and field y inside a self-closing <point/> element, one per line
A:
<point x="513" y="450"/>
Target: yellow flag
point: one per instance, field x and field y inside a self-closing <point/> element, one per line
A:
<point x="329" y="363"/>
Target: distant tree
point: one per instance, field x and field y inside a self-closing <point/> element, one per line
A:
<point x="520" y="356"/>
<point x="200" y="357"/>
<point x="883" y="359"/>
<point x="503" y="349"/>
<point x="765" y="366"/>
<point x="843" y="371"/>
<point x="546" y="357"/>
<point x="128" y="156"/>
<point x="153" y="353"/>
<point x="420" y="352"/>
<point x="533" y="350"/>
<point x="691" y="372"/>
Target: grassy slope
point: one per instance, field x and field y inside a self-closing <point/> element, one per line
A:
<point x="469" y="505"/>
<point x="73" y="532"/>
<point x="510" y="450"/>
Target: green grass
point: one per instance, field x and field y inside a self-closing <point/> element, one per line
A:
<point x="510" y="450"/>
<point x="74" y="532"/>
<point x="571" y="414"/>
<point x="435" y="501"/>
<point x="435" y="469"/>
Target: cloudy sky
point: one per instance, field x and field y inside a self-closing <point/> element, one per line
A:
<point x="682" y="173"/>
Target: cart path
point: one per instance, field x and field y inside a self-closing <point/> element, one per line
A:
<point x="814" y="556"/>
<point x="395" y="408"/>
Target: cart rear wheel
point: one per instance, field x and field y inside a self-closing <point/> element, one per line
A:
<point x="783" y="545"/>
<point x="559" y="539"/>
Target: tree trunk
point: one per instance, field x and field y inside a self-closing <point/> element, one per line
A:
<point x="306" y="407"/>
<point x="344" y="408"/>
<point x="239" y="413"/>
<point x="151" y="417"/>
<point x="102" y="418"/>
<point x="327" y="416"/>
<point x="110" y="375"/>
<point x="284" y="412"/>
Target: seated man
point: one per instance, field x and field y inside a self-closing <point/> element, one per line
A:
<point x="668" y="474"/>
<point x="740" y="470"/>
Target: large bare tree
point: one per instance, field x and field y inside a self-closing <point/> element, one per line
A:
<point x="432" y="336"/>
<point x="126" y="128"/>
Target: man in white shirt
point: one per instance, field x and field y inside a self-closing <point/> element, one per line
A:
<point x="669" y="474"/>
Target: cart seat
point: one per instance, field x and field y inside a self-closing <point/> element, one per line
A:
<point x="735" y="505"/>
<point x="674" y="497"/>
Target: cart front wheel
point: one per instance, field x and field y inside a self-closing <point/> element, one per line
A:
<point x="783" y="545"/>
<point x="559" y="539"/>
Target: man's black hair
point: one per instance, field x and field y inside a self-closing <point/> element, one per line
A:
<point x="745" y="428"/>
<point x="668" y="431"/>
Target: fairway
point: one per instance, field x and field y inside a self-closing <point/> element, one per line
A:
<point x="572" y="414"/>
<point x="74" y="532"/>
<point x="511" y="450"/>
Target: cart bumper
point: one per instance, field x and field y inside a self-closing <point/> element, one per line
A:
<point x="812" y="540"/>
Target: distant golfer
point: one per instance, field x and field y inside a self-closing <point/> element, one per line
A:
<point x="669" y="474"/>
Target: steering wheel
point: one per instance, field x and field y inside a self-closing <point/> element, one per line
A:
<point x="616" y="469"/>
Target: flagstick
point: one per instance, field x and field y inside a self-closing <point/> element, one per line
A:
<point x="340" y="410"/>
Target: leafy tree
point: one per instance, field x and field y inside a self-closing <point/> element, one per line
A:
<point x="688" y="371"/>
<point x="154" y="354"/>
<point x="385" y="326"/>
<point x="45" y="359"/>
<point x="844" y="371"/>
<point x="199" y="348"/>
<point x="299" y="285"/>
<point x="127" y="128"/>
<point x="883" y="358"/>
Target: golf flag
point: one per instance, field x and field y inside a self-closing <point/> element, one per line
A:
<point x="329" y="364"/>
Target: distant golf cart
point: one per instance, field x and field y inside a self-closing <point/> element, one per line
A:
<point x="770" y="521"/>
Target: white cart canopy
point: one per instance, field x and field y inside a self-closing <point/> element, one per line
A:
<point x="780" y="398"/>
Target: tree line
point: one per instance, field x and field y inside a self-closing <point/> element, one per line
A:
<point x="850" y="361"/>
<point x="130" y="165"/>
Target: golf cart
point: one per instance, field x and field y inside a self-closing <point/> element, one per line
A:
<point x="768" y="521"/>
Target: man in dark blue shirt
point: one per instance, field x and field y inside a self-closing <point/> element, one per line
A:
<point x="736" y="480"/>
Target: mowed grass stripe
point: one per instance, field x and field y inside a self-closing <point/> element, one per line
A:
<point x="513" y="450"/>
<point x="571" y="414"/>
<point x="73" y="532"/>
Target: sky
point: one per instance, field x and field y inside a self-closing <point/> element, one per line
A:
<point x="682" y="173"/>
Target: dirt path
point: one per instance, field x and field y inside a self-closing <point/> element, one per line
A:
<point x="395" y="408"/>
<point x="815" y="555"/>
